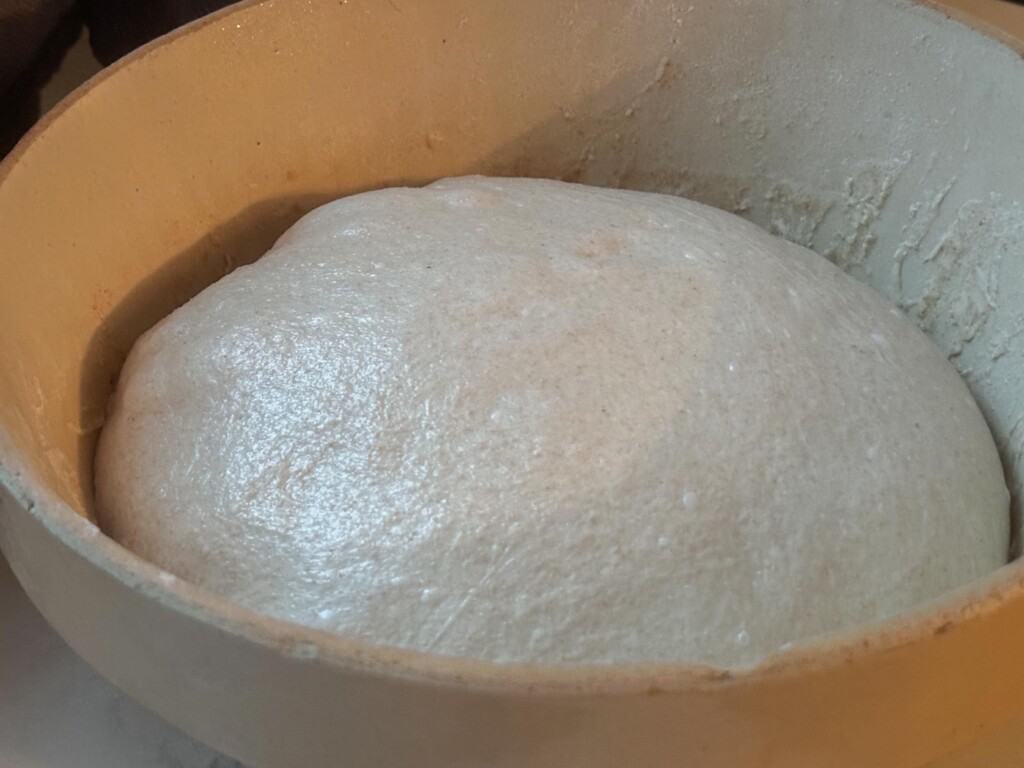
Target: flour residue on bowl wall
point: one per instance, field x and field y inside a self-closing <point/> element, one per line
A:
<point x="874" y="168"/>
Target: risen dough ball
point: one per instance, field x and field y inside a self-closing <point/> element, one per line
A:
<point x="528" y="420"/>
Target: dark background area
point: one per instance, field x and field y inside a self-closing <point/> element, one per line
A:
<point x="36" y="35"/>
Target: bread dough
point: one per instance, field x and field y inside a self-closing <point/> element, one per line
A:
<point x="524" y="420"/>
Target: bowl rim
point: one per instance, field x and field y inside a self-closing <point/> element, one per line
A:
<point x="86" y="541"/>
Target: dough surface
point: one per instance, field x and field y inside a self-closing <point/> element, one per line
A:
<point x="524" y="420"/>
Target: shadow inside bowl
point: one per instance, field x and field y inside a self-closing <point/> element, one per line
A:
<point x="241" y="240"/>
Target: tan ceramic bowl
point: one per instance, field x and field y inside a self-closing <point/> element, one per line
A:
<point x="883" y="134"/>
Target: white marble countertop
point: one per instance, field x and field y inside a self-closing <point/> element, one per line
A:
<point x="56" y="712"/>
